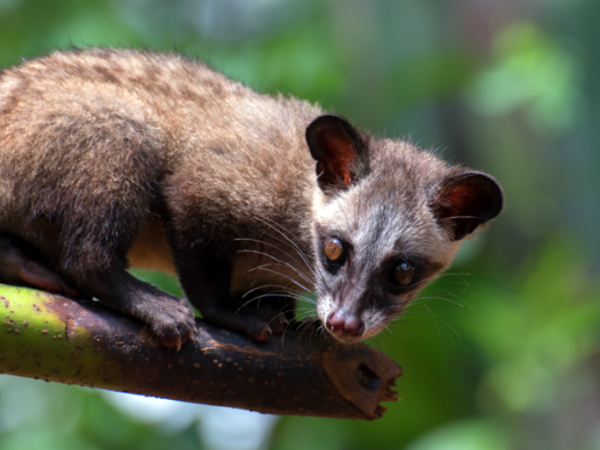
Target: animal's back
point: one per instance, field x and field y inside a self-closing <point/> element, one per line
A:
<point x="100" y="123"/>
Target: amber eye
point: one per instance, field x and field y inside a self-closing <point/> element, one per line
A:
<point x="402" y="274"/>
<point x="333" y="249"/>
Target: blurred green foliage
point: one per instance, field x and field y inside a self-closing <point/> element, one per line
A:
<point x="502" y="352"/>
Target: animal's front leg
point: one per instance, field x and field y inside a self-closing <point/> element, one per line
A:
<point x="169" y="317"/>
<point x="205" y="275"/>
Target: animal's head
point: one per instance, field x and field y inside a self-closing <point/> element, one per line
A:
<point x="393" y="220"/>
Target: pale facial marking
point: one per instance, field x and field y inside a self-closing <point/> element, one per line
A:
<point x="377" y="238"/>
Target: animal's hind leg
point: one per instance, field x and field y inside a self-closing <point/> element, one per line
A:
<point x="21" y="264"/>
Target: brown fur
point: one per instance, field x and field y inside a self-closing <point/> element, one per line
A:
<point x="111" y="158"/>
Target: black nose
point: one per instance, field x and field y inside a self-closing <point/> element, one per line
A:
<point x="340" y="324"/>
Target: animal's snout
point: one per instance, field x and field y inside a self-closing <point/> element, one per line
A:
<point x="342" y="324"/>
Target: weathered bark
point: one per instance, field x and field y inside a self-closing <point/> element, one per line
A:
<point x="80" y="342"/>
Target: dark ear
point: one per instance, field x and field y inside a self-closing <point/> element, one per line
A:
<point x="466" y="201"/>
<point x="337" y="148"/>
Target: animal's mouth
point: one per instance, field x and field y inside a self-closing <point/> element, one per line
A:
<point x="346" y="339"/>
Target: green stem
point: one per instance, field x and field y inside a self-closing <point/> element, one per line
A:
<point x="54" y="338"/>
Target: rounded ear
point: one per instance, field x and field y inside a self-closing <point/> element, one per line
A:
<point x="466" y="201"/>
<point x="338" y="149"/>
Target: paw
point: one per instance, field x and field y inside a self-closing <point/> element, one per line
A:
<point x="172" y="321"/>
<point x="258" y="323"/>
<point x="263" y="321"/>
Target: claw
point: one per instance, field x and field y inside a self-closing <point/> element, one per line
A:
<point x="171" y="343"/>
<point x="191" y="337"/>
<point x="264" y="334"/>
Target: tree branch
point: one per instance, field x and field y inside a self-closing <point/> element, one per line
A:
<point x="54" y="338"/>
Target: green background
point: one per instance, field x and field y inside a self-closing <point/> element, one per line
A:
<point x="502" y="352"/>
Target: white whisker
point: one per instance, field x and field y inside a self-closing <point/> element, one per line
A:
<point x="285" y="263"/>
<point x="258" y="241"/>
<point x="258" y="297"/>
<point x="294" y="245"/>
<point x="264" y="268"/>
<point x="418" y="299"/>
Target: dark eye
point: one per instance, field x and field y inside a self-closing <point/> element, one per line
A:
<point x="333" y="250"/>
<point x="402" y="274"/>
